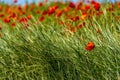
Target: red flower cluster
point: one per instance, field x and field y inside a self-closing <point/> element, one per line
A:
<point x="96" y="5"/>
<point x="24" y="20"/>
<point x="52" y="9"/>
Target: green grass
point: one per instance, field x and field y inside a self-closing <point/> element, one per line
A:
<point x="46" y="53"/>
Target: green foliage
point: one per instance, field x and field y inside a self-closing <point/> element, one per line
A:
<point x="44" y="52"/>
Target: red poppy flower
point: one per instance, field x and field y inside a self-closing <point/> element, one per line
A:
<point x="93" y="2"/>
<point x="13" y="15"/>
<point x="66" y="9"/>
<point x="87" y="7"/>
<point x="22" y="13"/>
<point x="83" y="16"/>
<point x="25" y="20"/>
<point x="79" y="5"/>
<point x="6" y="20"/>
<point x="41" y="18"/>
<point x="1" y="8"/>
<point x="79" y="26"/>
<point x="96" y="6"/>
<point x="1" y="15"/>
<point x="40" y="4"/>
<point x="99" y="13"/>
<point x="15" y="1"/>
<point x="73" y="30"/>
<point x="118" y="5"/>
<point x="20" y="8"/>
<point x="72" y="5"/>
<point x="29" y="17"/>
<point x="13" y="24"/>
<point x="77" y="18"/>
<point x="59" y="13"/>
<point x="38" y="11"/>
<point x="44" y="12"/>
<point x="72" y="18"/>
<point x="90" y="46"/>
<point x="52" y="9"/>
<point x="83" y="23"/>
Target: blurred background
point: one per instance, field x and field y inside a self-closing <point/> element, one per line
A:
<point x="22" y="2"/>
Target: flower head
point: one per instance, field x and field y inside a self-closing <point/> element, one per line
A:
<point x="15" y="1"/>
<point x="90" y="46"/>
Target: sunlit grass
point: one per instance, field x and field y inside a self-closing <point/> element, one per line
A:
<point x="49" y="51"/>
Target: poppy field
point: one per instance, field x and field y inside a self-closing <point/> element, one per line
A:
<point x="60" y="41"/>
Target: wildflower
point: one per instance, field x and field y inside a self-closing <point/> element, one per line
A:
<point x="84" y="15"/>
<point x="38" y="11"/>
<point x="90" y="46"/>
<point x="73" y="30"/>
<point x="29" y="17"/>
<point x="32" y="6"/>
<point x="67" y="9"/>
<point x="20" y="8"/>
<point x="40" y="4"/>
<point x="93" y="2"/>
<point x="52" y="9"/>
<point x="6" y="20"/>
<point x="13" y="24"/>
<point x="118" y="5"/>
<point x="25" y="20"/>
<point x="13" y="15"/>
<point x="22" y="13"/>
<point x="68" y="15"/>
<point x="1" y="8"/>
<point x="79" y="26"/>
<point x="44" y="12"/>
<point x="41" y="18"/>
<point x="1" y="15"/>
<point x="117" y="18"/>
<point x="77" y="18"/>
<point x="83" y="23"/>
<point x="15" y="1"/>
<point x="79" y="5"/>
<point x="59" y="13"/>
<point x="87" y="7"/>
<point x="99" y="13"/>
<point x="96" y="6"/>
<point x="72" y="18"/>
<point x="72" y="5"/>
